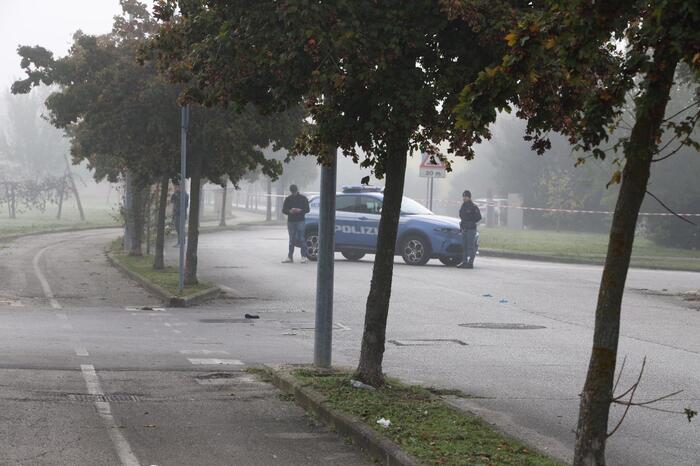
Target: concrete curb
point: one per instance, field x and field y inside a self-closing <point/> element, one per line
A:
<point x="378" y="447"/>
<point x="169" y="300"/>
<point x="566" y="260"/>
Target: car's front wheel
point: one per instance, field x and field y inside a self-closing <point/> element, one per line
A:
<point x="415" y="250"/>
<point x="312" y="245"/>
<point x="353" y="255"/>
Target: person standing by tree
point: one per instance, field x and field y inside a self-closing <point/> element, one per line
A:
<point x="469" y="215"/>
<point x="295" y="207"/>
<point x="175" y="201"/>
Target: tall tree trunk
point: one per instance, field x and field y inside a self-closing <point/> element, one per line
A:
<point x="159" y="259"/>
<point x="127" y="210"/>
<point x="193" y="232"/>
<point x="224" y="206"/>
<point x="69" y="174"/>
<point x="369" y="369"/>
<point x="61" y="192"/>
<point x="11" y="199"/>
<point x="138" y="218"/>
<point x="202" y="206"/>
<point x="597" y="393"/>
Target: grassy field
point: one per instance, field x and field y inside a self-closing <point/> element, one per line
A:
<point x="586" y="247"/>
<point x="423" y="425"/>
<point x="168" y="278"/>
<point x="32" y="222"/>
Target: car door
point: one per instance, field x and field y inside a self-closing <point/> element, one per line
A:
<point x="345" y="219"/>
<point x="369" y="211"/>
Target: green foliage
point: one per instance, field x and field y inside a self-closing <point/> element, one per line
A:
<point x="365" y="71"/>
<point x="123" y="115"/>
<point x="570" y="68"/>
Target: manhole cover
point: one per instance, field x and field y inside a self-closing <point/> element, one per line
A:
<point x="427" y="342"/>
<point x="113" y="398"/>
<point x="227" y="321"/>
<point x="502" y="326"/>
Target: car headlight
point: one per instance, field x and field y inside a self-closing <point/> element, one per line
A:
<point x="448" y="230"/>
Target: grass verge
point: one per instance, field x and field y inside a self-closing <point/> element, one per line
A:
<point x="584" y="247"/>
<point x="36" y="222"/>
<point x="422" y="424"/>
<point x="168" y="278"/>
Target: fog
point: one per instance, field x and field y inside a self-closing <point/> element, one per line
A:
<point x="30" y="148"/>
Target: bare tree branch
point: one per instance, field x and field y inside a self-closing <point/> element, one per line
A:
<point x="676" y="214"/>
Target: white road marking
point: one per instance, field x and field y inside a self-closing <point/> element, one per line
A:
<point x="202" y="351"/>
<point x="62" y="315"/>
<point x="67" y="326"/>
<point x="126" y="455"/>
<point x="177" y="331"/>
<point x="340" y="326"/>
<point x="80" y="351"/>
<point x="42" y="279"/>
<point x="215" y="362"/>
<point x="167" y="324"/>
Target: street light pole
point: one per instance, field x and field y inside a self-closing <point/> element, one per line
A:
<point x="184" y="122"/>
<point x="324" y="273"/>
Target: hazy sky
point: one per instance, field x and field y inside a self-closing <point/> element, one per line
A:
<point x="49" y="23"/>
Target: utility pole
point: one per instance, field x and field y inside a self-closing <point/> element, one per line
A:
<point x="323" y="337"/>
<point x="184" y="121"/>
<point x="268" y="210"/>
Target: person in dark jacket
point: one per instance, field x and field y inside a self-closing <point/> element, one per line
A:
<point x="175" y="201"/>
<point x="470" y="216"/>
<point x="295" y="207"/>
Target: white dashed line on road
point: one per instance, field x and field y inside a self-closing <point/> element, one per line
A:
<point x="215" y="362"/>
<point x="80" y="351"/>
<point x="126" y="455"/>
<point x="177" y="331"/>
<point x="203" y="351"/>
<point x="42" y="279"/>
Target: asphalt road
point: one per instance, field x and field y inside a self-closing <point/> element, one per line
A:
<point x="526" y="381"/>
<point x="88" y="377"/>
<point x="148" y="369"/>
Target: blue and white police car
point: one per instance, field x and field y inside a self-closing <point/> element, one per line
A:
<point x="422" y="235"/>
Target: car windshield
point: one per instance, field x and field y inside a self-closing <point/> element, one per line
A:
<point x="411" y="207"/>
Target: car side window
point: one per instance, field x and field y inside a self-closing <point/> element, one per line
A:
<point x="346" y="203"/>
<point x="369" y="205"/>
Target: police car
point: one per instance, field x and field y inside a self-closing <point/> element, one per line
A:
<point x="422" y="235"/>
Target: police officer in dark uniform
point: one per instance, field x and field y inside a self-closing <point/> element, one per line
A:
<point x="470" y="216"/>
<point x="295" y="207"/>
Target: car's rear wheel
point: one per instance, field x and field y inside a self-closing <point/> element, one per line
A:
<point x="353" y="255"/>
<point x="415" y="250"/>
<point x="449" y="261"/>
<point x="312" y="245"/>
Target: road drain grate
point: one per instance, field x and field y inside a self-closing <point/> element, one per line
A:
<point x="427" y="342"/>
<point x="217" y="375"/>
<point x="111" y="398"/>
<point x="502" y="326"/>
